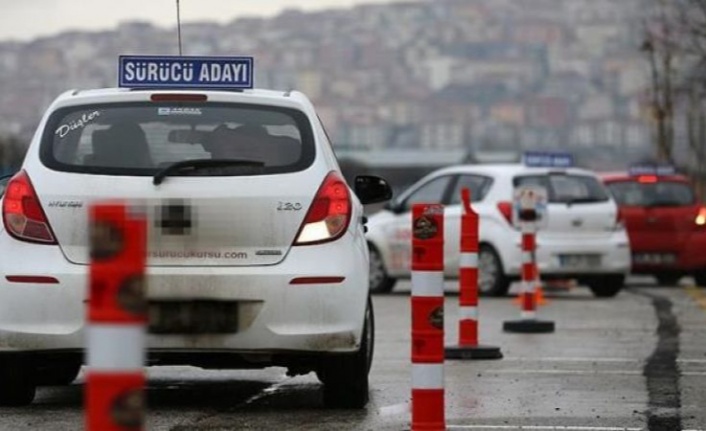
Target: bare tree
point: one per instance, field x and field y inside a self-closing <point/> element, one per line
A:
<point x="693" y="38"/>
<point x="675" y="49"/>
<point x="692" y="25"/>
<point x="661" y="48"/>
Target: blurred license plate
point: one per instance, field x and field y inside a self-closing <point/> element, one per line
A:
<point x="193" y="317"/>
<point x="654" y="258"/>
<point x="579" y="260"/>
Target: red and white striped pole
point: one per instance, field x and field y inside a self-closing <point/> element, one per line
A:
<point x="530" y="278"/>
<point x="428" y="318"/>
<point x="117" y="318"/>
<point x="529" y="272"/>
<point x="538" y="292"/>
<point x="468" y="316"/>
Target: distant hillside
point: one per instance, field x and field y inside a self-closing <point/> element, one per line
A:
<point x="442" y="74"/>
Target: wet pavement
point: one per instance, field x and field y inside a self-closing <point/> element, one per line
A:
<point x="634" y="362"/>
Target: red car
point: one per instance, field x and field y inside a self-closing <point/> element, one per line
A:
<point x="665" y="220"/>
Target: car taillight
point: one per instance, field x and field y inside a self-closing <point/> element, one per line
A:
<point x="178" y="97"/>
<point x="329" y="214"/>
<point x="505" y="209"/>
<point x="22" y="212"/>
<point x="647" y="179"/>
<point x="701" y="217"/>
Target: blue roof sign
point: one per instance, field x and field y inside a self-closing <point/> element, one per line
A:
<point x="536" y="159"/>
<point x="658" y="170"/>
<point x="225" y="73"/>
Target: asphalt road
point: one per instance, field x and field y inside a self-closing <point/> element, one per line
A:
<point x="634" y="362"/>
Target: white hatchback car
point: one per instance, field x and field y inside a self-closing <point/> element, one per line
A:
<point x="584" y="238"/>
<point x="249" y="216"/>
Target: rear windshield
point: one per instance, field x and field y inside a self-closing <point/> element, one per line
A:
<point x="143" y="138"/>
<point x="661" y="193"/>
<point x="565" y="188"/>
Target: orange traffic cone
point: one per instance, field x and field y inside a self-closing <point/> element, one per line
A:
<point x="538" y="295"/>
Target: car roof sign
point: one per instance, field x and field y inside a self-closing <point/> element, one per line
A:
<point x="544" y="159"/>
<point x="656" y="170"/>
<point x="177" y="72"/>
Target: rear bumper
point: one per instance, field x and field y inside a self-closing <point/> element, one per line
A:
<point x="690" y="254"/>
<point x="213" y="359"/>
<point x="274" y="315"/>
<point x="613" y="250"/>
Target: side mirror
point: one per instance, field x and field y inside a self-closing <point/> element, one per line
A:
<point x="371" y="189"/>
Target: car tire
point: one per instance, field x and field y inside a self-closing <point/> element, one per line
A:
<point x="62" y="374"/>
<point x="606" y="286"/>
<point x="700" y="278"/>
<point x="492" y="280"/>
<point x="17" y="385"/>
<point x="668" y="280"/>
<point x="380" y="281"/>
<point x="345" y="377"/>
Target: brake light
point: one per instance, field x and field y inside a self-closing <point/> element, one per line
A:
<point x="505" y="209"/>
<point x="647" y="179"/>
<point x="701" y="217"/>
<point x="178" y="97"/>
<point x="329" y="214"/>
<point x="22" y="212"/>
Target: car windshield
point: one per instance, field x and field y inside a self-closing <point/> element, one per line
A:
<point x="660" y="193"/>
<point x="143" y="138"/>
<point x="565" y="188"/>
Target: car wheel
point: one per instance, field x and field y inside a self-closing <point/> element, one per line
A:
<point x="606" y="286"/>
<point x="380" y="282"/>
<point x="668" y="280"/>
<point x="345" y="377"/>
<point x="492" y="280"/>
<point x="17" y="386"/>
<point x="700" y="278"/>
<point x="62" y="374"/>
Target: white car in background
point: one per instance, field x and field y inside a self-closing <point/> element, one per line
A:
<point x="584" y="239"/>
<point x="256" y="244"/>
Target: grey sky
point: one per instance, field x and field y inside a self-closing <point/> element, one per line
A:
<point x="27" y="19"/>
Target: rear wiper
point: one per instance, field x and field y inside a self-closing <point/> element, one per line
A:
<point x="196" y="164"/>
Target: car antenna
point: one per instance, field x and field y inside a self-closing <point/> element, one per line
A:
<point x="178" y="11"/>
